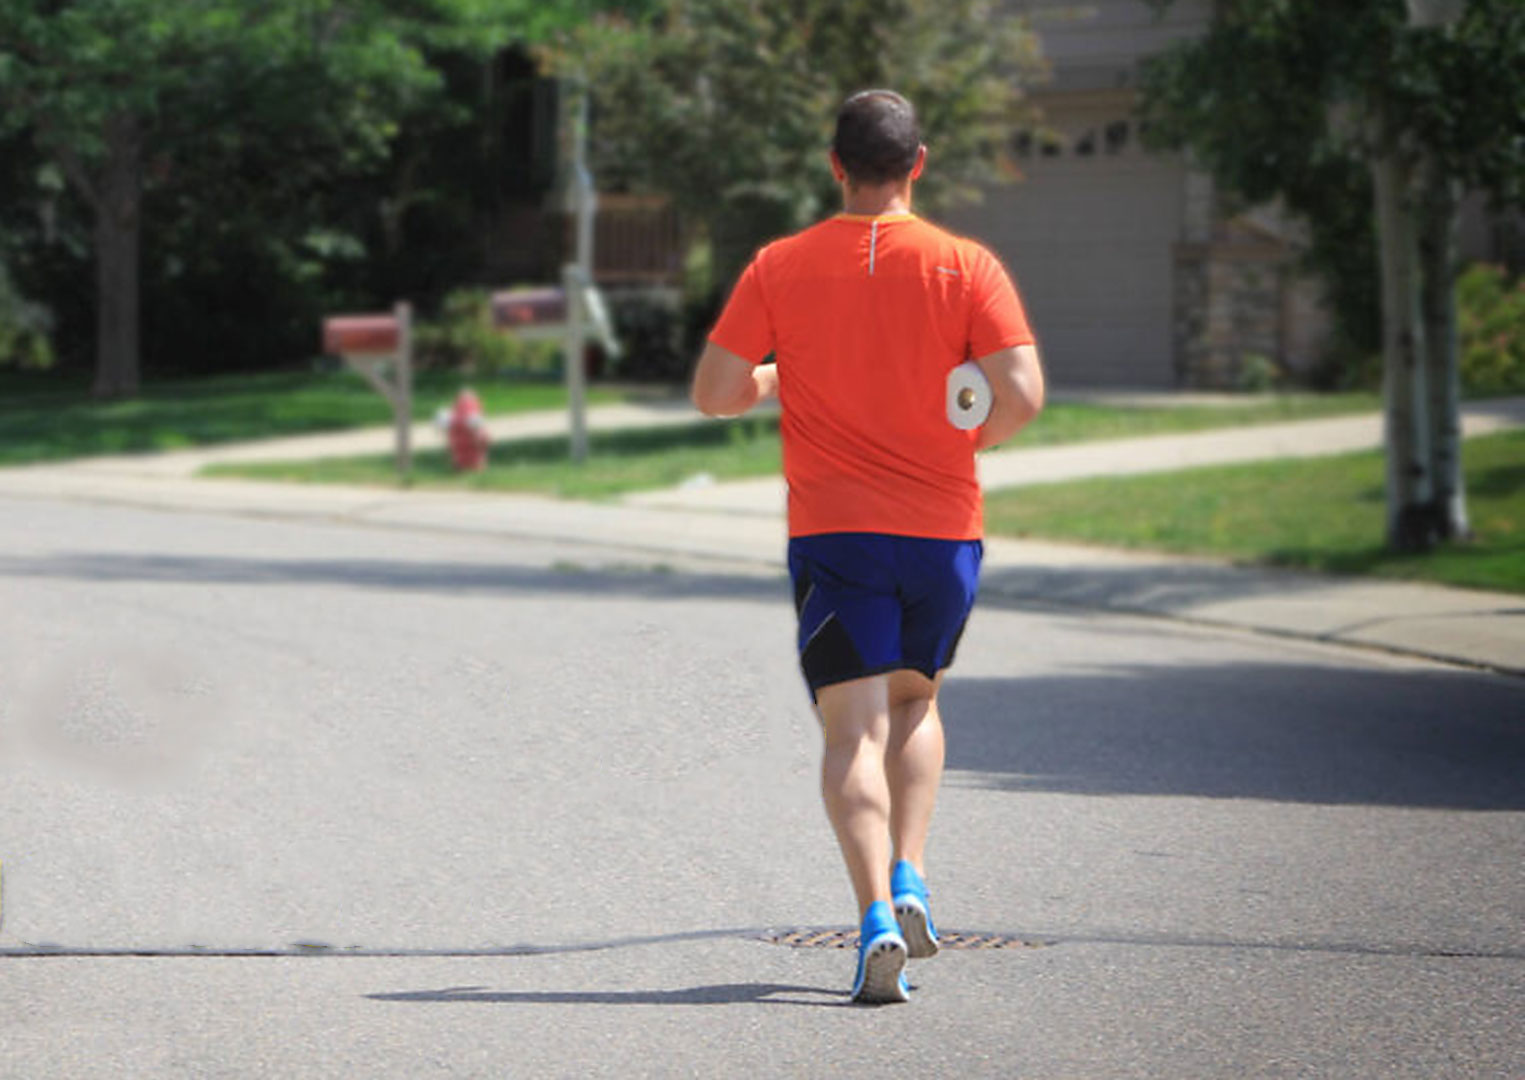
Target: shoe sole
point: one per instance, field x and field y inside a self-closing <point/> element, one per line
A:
<point x="915" y="927"/>
<point x="883" y="964"/>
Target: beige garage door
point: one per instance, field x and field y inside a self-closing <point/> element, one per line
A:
<point x="1089" y="236"/>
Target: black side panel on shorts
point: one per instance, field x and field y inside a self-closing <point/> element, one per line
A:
<point x="830" y="656"/>
<point x="953" y="645"/>
<point x="801" y="591"/>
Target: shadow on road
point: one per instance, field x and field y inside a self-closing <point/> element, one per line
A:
<point x="640" y="576"/>
<point x="1285" y="733"/>
<point x="1309" y="733"/>
<point x="1151" y="588"/>
<point x="725" y="994"/>
<point x="1161" y="587"/>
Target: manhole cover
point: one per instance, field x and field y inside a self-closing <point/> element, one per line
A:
<point x="848" y="939"/>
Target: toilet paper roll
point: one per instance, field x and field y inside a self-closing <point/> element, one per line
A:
<point x="969" y="396"/>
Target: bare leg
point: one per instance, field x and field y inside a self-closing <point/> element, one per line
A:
<point x="913" y="762"/>
<point x="855" y="719"/>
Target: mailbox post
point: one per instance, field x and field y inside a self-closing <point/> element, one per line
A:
<point x="380" y="348"/>
<point x="577" y="277"/>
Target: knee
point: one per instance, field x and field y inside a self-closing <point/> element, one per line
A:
<point x="907" y="714"/>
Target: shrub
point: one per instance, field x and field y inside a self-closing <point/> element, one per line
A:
<point x="25" y="327"/>
<point x="652" y="338"/>
<point x="463" y="339"/>
<point x="1258" y="374"/>
<point x="1491" y="323"/>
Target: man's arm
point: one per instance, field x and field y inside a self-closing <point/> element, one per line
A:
<point x="728" y="385"/>
<point x="1016" y="383"/>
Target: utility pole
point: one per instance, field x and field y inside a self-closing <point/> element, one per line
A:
<point x="577" y="276"/>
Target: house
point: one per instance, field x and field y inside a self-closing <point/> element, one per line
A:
<point x="1130" y="276"/>
<point x="1133" y="275"/>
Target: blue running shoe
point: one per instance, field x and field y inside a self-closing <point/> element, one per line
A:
<point x="881" y="959"/>
<point x="912" y="911"/>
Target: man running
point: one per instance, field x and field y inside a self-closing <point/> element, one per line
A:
<point x="865" y="315"/>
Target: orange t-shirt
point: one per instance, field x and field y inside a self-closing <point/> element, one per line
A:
<point x="865" y="317"/>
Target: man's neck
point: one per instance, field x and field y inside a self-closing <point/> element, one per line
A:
<point x="875" y="201"/>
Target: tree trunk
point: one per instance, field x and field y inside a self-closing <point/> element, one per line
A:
<point x="1437" y="249"/>
<point x="1410" y="489"/>
<point x="117" y="231"/>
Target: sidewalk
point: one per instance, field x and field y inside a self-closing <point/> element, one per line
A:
<point x="1021" y="466"/>
<point x="742" y="523"/>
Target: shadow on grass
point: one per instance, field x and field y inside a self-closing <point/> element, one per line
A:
<point x="1373" y="559"/>
<point x="1499" y="482"/>
<point x="1489" y="565"/>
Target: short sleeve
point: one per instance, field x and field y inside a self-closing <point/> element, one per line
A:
<point x="745" y="326"/>
<point x="997" y="319"/>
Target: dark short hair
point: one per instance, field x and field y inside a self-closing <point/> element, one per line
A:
<point x="877" y="137"/>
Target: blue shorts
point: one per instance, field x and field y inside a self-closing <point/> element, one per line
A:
<point x="871" y="603"/>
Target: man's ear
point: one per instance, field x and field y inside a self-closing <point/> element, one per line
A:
<point x="836" y="167"/>
<point x="921" y="162"/>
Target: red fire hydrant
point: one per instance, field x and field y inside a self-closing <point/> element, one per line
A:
<point x="467" y="432"/>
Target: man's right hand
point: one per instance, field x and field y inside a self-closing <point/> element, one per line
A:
<point x="728" y="385"/>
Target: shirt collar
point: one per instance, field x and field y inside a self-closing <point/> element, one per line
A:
<point x="899" y="215"/>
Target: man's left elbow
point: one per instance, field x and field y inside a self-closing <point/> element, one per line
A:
<point x="705" y="401"/>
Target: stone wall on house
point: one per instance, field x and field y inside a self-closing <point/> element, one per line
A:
<point x="1307" y="325"/>
<point x="1243" y="311"/>
<point x="1230" y="299"/>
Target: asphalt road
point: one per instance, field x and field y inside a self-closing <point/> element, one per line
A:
<point x="286" y="799"/>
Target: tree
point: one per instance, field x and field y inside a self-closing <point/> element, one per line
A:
<point x="1446" y="114"/>
<point x="125" y="94"/>
<point x="117" y="91"/>
<point x="1339" y="109"/>
<point x="726" y="105"/>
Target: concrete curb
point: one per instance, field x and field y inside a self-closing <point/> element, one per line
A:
<point x="741" y="525"/>
<point x="1472" y="628"/>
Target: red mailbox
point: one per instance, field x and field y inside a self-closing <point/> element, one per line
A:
<point x="380" y="348"/>
<point x="362" y="335"/>
<point x="528" y="309"/>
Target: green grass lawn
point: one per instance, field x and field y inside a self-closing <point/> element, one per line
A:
<point x="41" y="422"/>
<point x="1320" y="514"/>
<point x="620" y="462"/>
<point x="1324" y="514"/>
<point x="1072" y="421"/>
